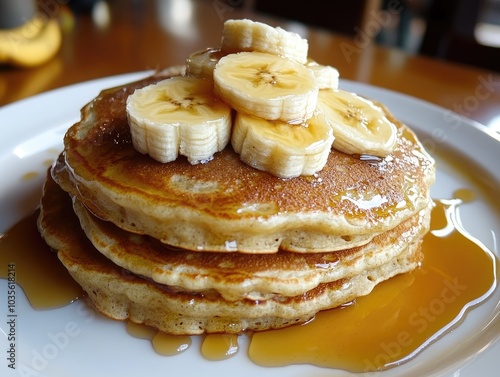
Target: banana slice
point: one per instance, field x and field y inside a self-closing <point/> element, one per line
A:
<point x="326" y="75"/>
<point x="267" y="86"/>
<point x="282" y="149"/>
<point x="202" y="63"/>
<point x="247" y="35"/>
<point x="176" y="116"/>
<point x="359" y="126"/>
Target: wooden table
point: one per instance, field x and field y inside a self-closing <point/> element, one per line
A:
<point x="134" y="36"/>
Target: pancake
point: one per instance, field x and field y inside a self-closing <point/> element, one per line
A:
<point x="224" y="205"/>
<point x="121" y="294"/>
<point x="237" y="276"/>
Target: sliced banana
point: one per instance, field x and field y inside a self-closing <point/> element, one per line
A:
<point x="359" y="126"/>
<point x="326" y="75"/>
<point x="176" y="116"/>
<point x="202" y="63"/>
<point x="267" y="86"/>
<point x="282" y="149"/>
<point x="289" y="110"/>
<point x="247" y="35"/>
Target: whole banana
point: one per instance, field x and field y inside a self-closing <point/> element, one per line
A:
<point x="32" y="43"/>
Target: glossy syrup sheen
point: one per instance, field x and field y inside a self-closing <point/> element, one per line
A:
<point x="45" y="281"/>
<point x="401" y="315"/>
<point x="385" y="328"/>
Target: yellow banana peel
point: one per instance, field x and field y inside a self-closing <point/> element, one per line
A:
<point x="30" y="44"/>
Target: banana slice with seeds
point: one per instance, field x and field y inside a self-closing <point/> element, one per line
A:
<point x="282" y="149"/>
<point x="247" y="35"/>
<point x="176" y="116"/>
<point x="267" y="86"/>
<point x="359" y="126"/>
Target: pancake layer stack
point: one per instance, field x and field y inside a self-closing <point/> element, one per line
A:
<point x="221" y="246"/>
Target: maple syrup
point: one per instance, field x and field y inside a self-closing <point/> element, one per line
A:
<point x="45" y="281"/>
<point x="141" y="331"/>
<point x="214" y="346"/>
<point x="385" y="328"/>
<point x="168" y="345"/>
<point x="164" y="344"/>
<point x="219" y="346"/>
<point x="401" y="316"/>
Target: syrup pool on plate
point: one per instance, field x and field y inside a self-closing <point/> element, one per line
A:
<point x="385" y="328"/>
<point x="35" y="268"/>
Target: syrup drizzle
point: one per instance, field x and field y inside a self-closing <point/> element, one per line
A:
<point x="219" y="346"/>
<point x="385" y="328"/>
<point x="401" y="316"/>
<point x="45" y="281"/>
<point x="169" y="345"/>
<point x="164" y="344"/>
<point x="214" y="346"/>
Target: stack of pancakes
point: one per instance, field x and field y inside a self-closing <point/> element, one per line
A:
<point x="220" y="246"/>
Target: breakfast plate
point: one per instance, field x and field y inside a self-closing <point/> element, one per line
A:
<point x="467" y="156"/>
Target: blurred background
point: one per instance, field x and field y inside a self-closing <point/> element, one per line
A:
<point x="443" y="51"/>
<point x="464" y="31"/>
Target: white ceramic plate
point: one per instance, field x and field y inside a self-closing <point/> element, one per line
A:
<point x="32" y="135"/>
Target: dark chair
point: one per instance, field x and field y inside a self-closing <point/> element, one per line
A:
<point x="341" y="16"/>
<point x="450" y="34"/>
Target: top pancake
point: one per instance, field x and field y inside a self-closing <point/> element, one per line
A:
<point x="225" y="205"/>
